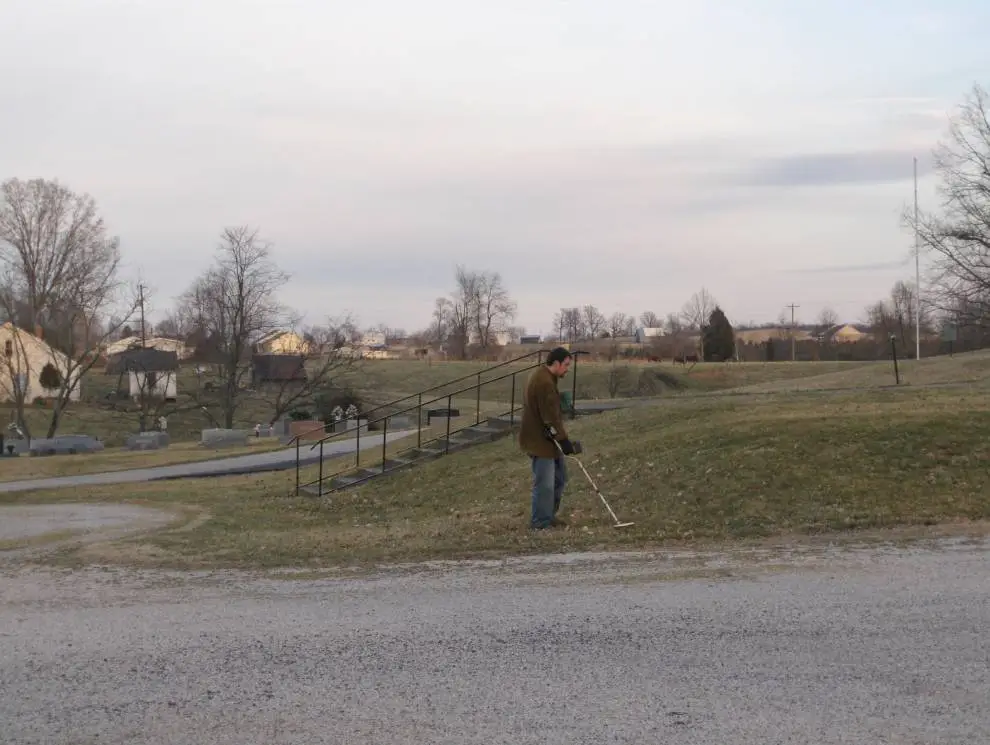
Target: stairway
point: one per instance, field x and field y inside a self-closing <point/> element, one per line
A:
<point x="492" y="429"/>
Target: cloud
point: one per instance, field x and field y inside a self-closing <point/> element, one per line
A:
<point x="845" y="268"/>
<point x="833" y="169"/>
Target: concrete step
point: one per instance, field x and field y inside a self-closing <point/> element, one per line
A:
<point x="424" y="453"/>
<point x="481" y="432"/>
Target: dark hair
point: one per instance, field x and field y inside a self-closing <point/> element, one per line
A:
<point x="557" y="354"/>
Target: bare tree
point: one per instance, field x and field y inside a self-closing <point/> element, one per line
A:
<point x="59" y="279"/>
<point x="595" y="322"/>
<point x="440" y="328"/>
<point x="301" y="380"/>
<point x="619" y="324"/>
<point x="462" y="310"/>
<point x="650" y="320"/>
<point x="495" y="309"/>
<point x="894" y="316"/>
<point x="827" y="319"/>
<point x="698" y="310"/>
<point x="52" y="242"/>
<point x="145" y="379"/>
<point x="673" y="324"/>
<point x="960" y="236"/>
<point x="570" y="324"/>
<point x="234" y="303"/>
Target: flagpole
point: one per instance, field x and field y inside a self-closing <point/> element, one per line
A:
<point x="917" y="270"/>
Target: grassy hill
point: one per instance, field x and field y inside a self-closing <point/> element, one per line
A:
<point x="595" y="380"/>
<point x="686" y="470"/>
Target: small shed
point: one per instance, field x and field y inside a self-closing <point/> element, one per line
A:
<point x="150" y="372"/>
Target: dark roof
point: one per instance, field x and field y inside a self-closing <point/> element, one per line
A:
<point x="142" y="360"/>
<point x="278" y="367"/>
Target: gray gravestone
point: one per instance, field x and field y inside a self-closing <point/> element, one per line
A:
<point x="147" y="441"/>
<point x="221" y="438"/>
<point x="401" y="421"/>
<point x="65" y="445"/>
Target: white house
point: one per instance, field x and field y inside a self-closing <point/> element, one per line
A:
<point x="644" y="333"/>
<point x="23" y="356"/>
<point x="151" y="373"/>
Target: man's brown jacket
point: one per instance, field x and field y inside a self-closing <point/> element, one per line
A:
<point x="541" y="406"/>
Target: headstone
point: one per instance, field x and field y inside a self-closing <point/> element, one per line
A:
<point x="357" y="424"/>
<point x="147" y="441"/>
<point x="65" y="445"/>
<point x="401" y="421"/>
<point x="222" y="438"/>
<point x="308" y="429"/>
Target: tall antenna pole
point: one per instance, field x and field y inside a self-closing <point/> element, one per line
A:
<point x="917" y="270"/>
<point x="141" y="300"/>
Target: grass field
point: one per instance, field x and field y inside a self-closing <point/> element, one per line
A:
<point x="383" y="381"/>
<point x="686" y="470"/>
<point x="595" y="380"/>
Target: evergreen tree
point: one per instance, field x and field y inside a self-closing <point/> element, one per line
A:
<point x="719" y="338"/>
<point x="50" y="378"/>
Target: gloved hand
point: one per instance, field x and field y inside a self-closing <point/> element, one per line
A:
<point x="570" y="447"/>
<point x="549" y="431"/>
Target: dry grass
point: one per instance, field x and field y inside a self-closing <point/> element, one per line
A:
<point x="969" y="368"/>
<point x="113" y="459"/>
<point x="685" y="470"/>
<point x="595" y="380"/>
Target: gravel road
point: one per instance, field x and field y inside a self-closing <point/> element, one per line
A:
<point x="867" y="645"/>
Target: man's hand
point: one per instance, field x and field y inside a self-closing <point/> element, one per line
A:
<point x="569" y="448"/>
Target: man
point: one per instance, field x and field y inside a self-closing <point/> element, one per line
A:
<point x="542" y="416"/>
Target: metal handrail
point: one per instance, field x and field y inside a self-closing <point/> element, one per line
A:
<point x="478" y="374"/>
<point x="419" y="443"/>
<point x="419" y="406"/>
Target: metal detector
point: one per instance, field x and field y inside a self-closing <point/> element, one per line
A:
<point x="594" y="486"/>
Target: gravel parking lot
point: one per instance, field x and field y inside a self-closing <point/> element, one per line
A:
<point x="877" y="644"/>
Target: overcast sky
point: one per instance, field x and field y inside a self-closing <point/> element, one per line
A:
<point x="620" y="153"/>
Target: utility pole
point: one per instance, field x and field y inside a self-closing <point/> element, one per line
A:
<point x="141" y="301"/>
<point x="792" y="306"/>
<point x="917" y="270"/>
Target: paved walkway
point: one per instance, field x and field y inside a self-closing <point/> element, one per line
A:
<point x="276" y="460"/>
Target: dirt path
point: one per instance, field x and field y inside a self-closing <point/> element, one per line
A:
<point x="29" y="530"/>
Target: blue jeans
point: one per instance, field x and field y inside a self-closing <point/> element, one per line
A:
<point x="549" y="478"/>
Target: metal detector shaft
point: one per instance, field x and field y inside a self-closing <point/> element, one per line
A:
<point x="618" y="523"/>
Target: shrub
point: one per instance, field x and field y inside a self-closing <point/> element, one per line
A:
<point x="50" y="378"/>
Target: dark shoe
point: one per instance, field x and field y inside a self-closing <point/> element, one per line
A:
<point x="558" y="523"/>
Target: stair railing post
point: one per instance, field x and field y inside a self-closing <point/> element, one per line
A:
<point x="574" y="388"/>
<point x="447" y="441"/>
<point x="384" y="441"/>
<point x="512" y="403"/>
<point x="357" y="443"/>
<point x="419" y="422"/>
<point x="477" y="402"/>
<point x="297" y="466"/>
<point x="319" y="489"/>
